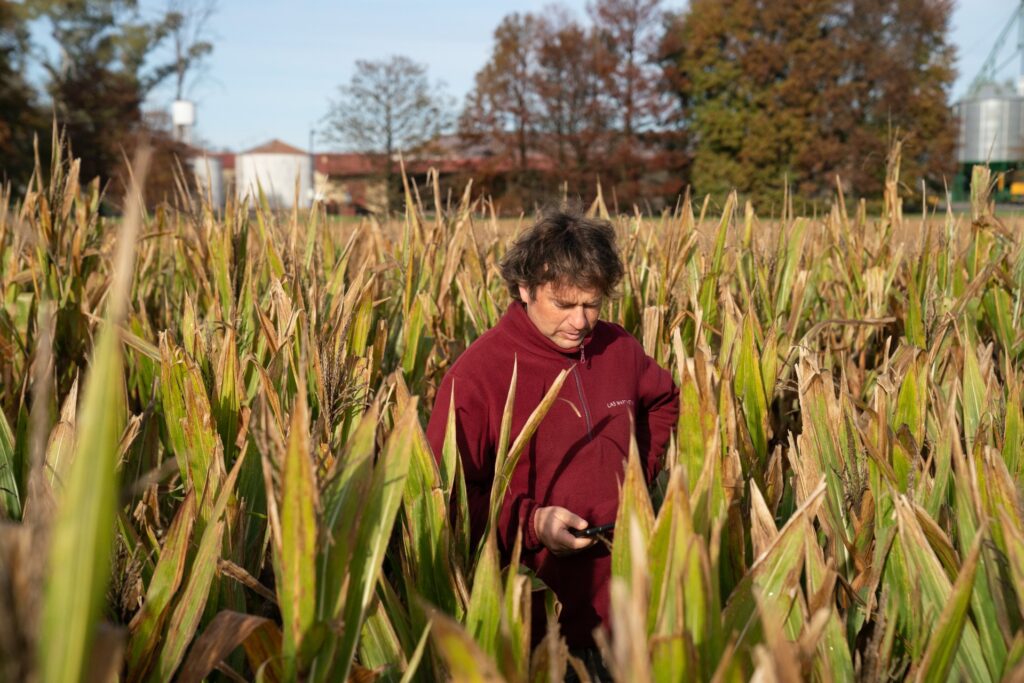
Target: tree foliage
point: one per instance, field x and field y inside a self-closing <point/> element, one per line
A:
<point x="20" y="117"/>
<point x="809" y="90"/>
<point x="574" y="102"/>
<point x="388" y="106"/>
<point x="100" y="74"/>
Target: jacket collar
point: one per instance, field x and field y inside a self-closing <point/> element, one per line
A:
<point x="517" y="324"/>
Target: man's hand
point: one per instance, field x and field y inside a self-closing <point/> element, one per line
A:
<point x="552" y="525"/>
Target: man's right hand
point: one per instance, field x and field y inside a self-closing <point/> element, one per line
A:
<point x="552" y="525"/>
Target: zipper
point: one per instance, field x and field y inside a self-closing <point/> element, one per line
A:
<point x="583" y="397"/>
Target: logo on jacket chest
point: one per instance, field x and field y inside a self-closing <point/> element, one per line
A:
<point x="621" y="402"/>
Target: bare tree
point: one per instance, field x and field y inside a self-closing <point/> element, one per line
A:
<point x="388" y="106"/>
<point x="188" y="26"/>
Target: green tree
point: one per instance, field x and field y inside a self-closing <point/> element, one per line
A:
<point x="100" y="75"/>
<point x="807" y="90"/>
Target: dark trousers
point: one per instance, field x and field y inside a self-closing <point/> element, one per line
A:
<point x="592" y="662"/>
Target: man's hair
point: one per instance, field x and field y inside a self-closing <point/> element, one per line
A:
<point x="566" y="248"/>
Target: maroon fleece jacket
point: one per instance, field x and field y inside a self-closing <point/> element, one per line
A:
<point x="577" y="457"/>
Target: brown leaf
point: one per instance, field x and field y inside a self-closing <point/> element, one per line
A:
<point x="226" y="632"/>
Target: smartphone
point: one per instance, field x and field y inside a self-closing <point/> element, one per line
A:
<point x="592" y="531"/>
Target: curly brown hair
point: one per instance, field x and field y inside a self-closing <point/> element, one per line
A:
<point x="567" y="248"/>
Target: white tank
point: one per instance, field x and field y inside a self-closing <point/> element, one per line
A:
<point x="209" y="174"/>
<point x="275" y="167"/>
<point x="183" y="113"/>
<point x="991" y="127"/>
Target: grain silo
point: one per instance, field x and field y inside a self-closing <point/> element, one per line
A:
<point x="991" y="120"/>
<point x="992" y="132"/>
<point x="209" y="177"/>
<point x="275" y="168"/>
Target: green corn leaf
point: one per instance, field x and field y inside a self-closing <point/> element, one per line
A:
<point x="709" y="286"/>
<point x="749" y="387"/>
<point x="146" y="627"/>
<point x="188" y="422"/>
<point x="1013" y="434"/>
<point x="937" y="664"/>
<point x="227" y="403"/>
<point x="1014" y="535"/>
<point x="514" y="644"/>
<point x="483" y="614"/>
<point x="634" y="505"/>
<point x="416" y="345"/>
<point x="297" y="586"/>
<point x="380" y="507"/>
<point x="684" y="607"/>
<point x="774" y="576"/>
<point x="61" y="447"/>
<point x="790" y="249"/>
<point x="427" y="537"/>
<point x="191" y="601"/>
<point x="974" y="403"/>
<point x="915" y="316"/>
<point x="926" y="576"/>
<point x="466" y="662"/>
<point x="82" y="536"/>
<point x="505" y="465"/>
<point x="416" y="658"/>
<point x="692" y="430"/>
<point x="968" y="503"/>
<point x="822" y="414"/>
<point x="834" y="661"/>
<point x="344" y="497"/>
<point x="912" y="400"/>
<point x="379" y="645"/>
<point x="10" y="500"/>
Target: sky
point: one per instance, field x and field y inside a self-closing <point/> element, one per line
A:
<point x="277" y="65"/>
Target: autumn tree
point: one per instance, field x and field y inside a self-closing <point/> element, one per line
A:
<point x="646" y="118"/>
<point x="500" y="113"/>
<point x="388" y="106"/>
<point x="807" y="90"/>
<point x="586" y="98"/>
<point x="573" y="115"/>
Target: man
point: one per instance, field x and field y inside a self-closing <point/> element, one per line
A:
<point x="559" y="273"/>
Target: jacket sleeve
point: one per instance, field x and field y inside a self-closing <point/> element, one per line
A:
<point x="477" y="449"/>
<point x="657" y="414"/>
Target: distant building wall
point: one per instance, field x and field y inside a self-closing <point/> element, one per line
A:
<point x="209" y="176"/>
<point x="350" y="196"/>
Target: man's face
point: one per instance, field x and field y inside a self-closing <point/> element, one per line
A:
<point x="563" y="313"/>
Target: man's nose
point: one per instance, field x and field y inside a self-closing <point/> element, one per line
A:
<point x="578" y="318"/>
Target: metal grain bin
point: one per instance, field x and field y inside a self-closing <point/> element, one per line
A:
<point x="991" y="128"/>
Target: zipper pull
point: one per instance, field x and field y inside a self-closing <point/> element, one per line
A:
<point x="583" y="357"/>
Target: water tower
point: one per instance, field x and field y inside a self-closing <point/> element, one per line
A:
<point x="991" y="119"/>
<point x="183" y="116"/>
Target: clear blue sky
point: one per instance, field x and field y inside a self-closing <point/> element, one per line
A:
<point x="277" y="64"/>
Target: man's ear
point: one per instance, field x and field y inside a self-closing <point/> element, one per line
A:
<point x="524" y="293"/>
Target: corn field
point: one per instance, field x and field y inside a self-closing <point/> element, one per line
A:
<point x="213" y="465"/>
